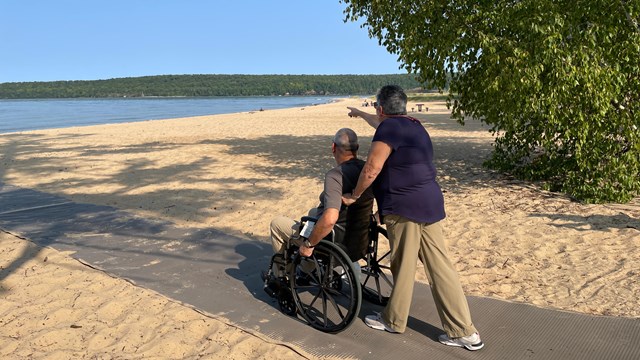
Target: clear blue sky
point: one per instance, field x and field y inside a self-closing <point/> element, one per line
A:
<point x="46" y="40"/>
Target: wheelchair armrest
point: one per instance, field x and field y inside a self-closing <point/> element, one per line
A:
<point x="330" y="237"/>
<point x="304" y="222"/>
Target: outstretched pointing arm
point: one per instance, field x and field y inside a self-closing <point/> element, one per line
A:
<point x="372" y="119"/>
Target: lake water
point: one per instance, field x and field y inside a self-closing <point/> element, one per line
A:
<point x="37" y="114"/>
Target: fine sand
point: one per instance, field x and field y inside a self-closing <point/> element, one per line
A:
<point x="509" y="239"/>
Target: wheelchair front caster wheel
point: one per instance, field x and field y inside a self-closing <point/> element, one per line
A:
<point x="286" y="302"/>
<point x="336" y="281"/>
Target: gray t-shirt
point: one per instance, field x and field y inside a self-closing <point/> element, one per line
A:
<point x="352" y="227"/>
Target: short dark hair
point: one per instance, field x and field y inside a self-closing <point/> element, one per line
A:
<point x="392" y="99"/>
<point x="346" y="139"/>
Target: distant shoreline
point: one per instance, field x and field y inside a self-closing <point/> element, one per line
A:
<point x="208" y="85"/>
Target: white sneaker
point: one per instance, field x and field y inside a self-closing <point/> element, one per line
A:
<point x="471" y="342"/>
<point x="375" y="322"/>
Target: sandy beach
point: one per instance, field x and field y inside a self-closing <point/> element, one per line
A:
<point x="510" y="240"/>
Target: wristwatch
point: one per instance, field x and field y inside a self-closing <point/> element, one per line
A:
<point x="307" y="244"/>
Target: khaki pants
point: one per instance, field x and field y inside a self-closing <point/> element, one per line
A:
<point x="410" y="241"/>
<point x="283" y="229"/>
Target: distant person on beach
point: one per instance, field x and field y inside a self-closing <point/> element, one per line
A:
<point x="411" y="204"/>
<point x="349" y="223"/>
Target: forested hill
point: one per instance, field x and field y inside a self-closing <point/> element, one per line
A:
<point x="208" y="85"/>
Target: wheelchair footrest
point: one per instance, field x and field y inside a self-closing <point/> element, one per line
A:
<point x="272" y="285"/>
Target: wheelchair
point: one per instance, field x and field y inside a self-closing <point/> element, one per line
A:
<point x="327" y="289"/>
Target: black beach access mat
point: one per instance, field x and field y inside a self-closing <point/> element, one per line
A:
<point x="219" y="275"/>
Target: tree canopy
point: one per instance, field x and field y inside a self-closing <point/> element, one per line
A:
<point x="558" y="81"/>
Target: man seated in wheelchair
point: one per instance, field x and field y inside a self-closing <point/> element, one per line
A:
<point x="350" y="225"/>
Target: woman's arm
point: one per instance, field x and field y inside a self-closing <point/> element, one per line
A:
<point x="372" y="119"/>
<point x="378" y="155"/>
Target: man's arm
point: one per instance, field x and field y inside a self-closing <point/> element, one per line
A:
<point x="371" y="119"/>
<point x="378" y="155"/>
<point x="322" y="228"/>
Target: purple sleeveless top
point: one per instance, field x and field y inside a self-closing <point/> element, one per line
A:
<point x="407" y="185"/>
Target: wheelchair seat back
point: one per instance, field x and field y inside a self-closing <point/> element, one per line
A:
<point x="352" y="228"/>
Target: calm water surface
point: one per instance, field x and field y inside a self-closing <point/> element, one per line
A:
<point x="36" y="114"/>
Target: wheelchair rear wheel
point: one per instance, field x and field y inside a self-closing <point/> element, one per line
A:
<point x="325" y="288"/>
<point x="377" y="281"/>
